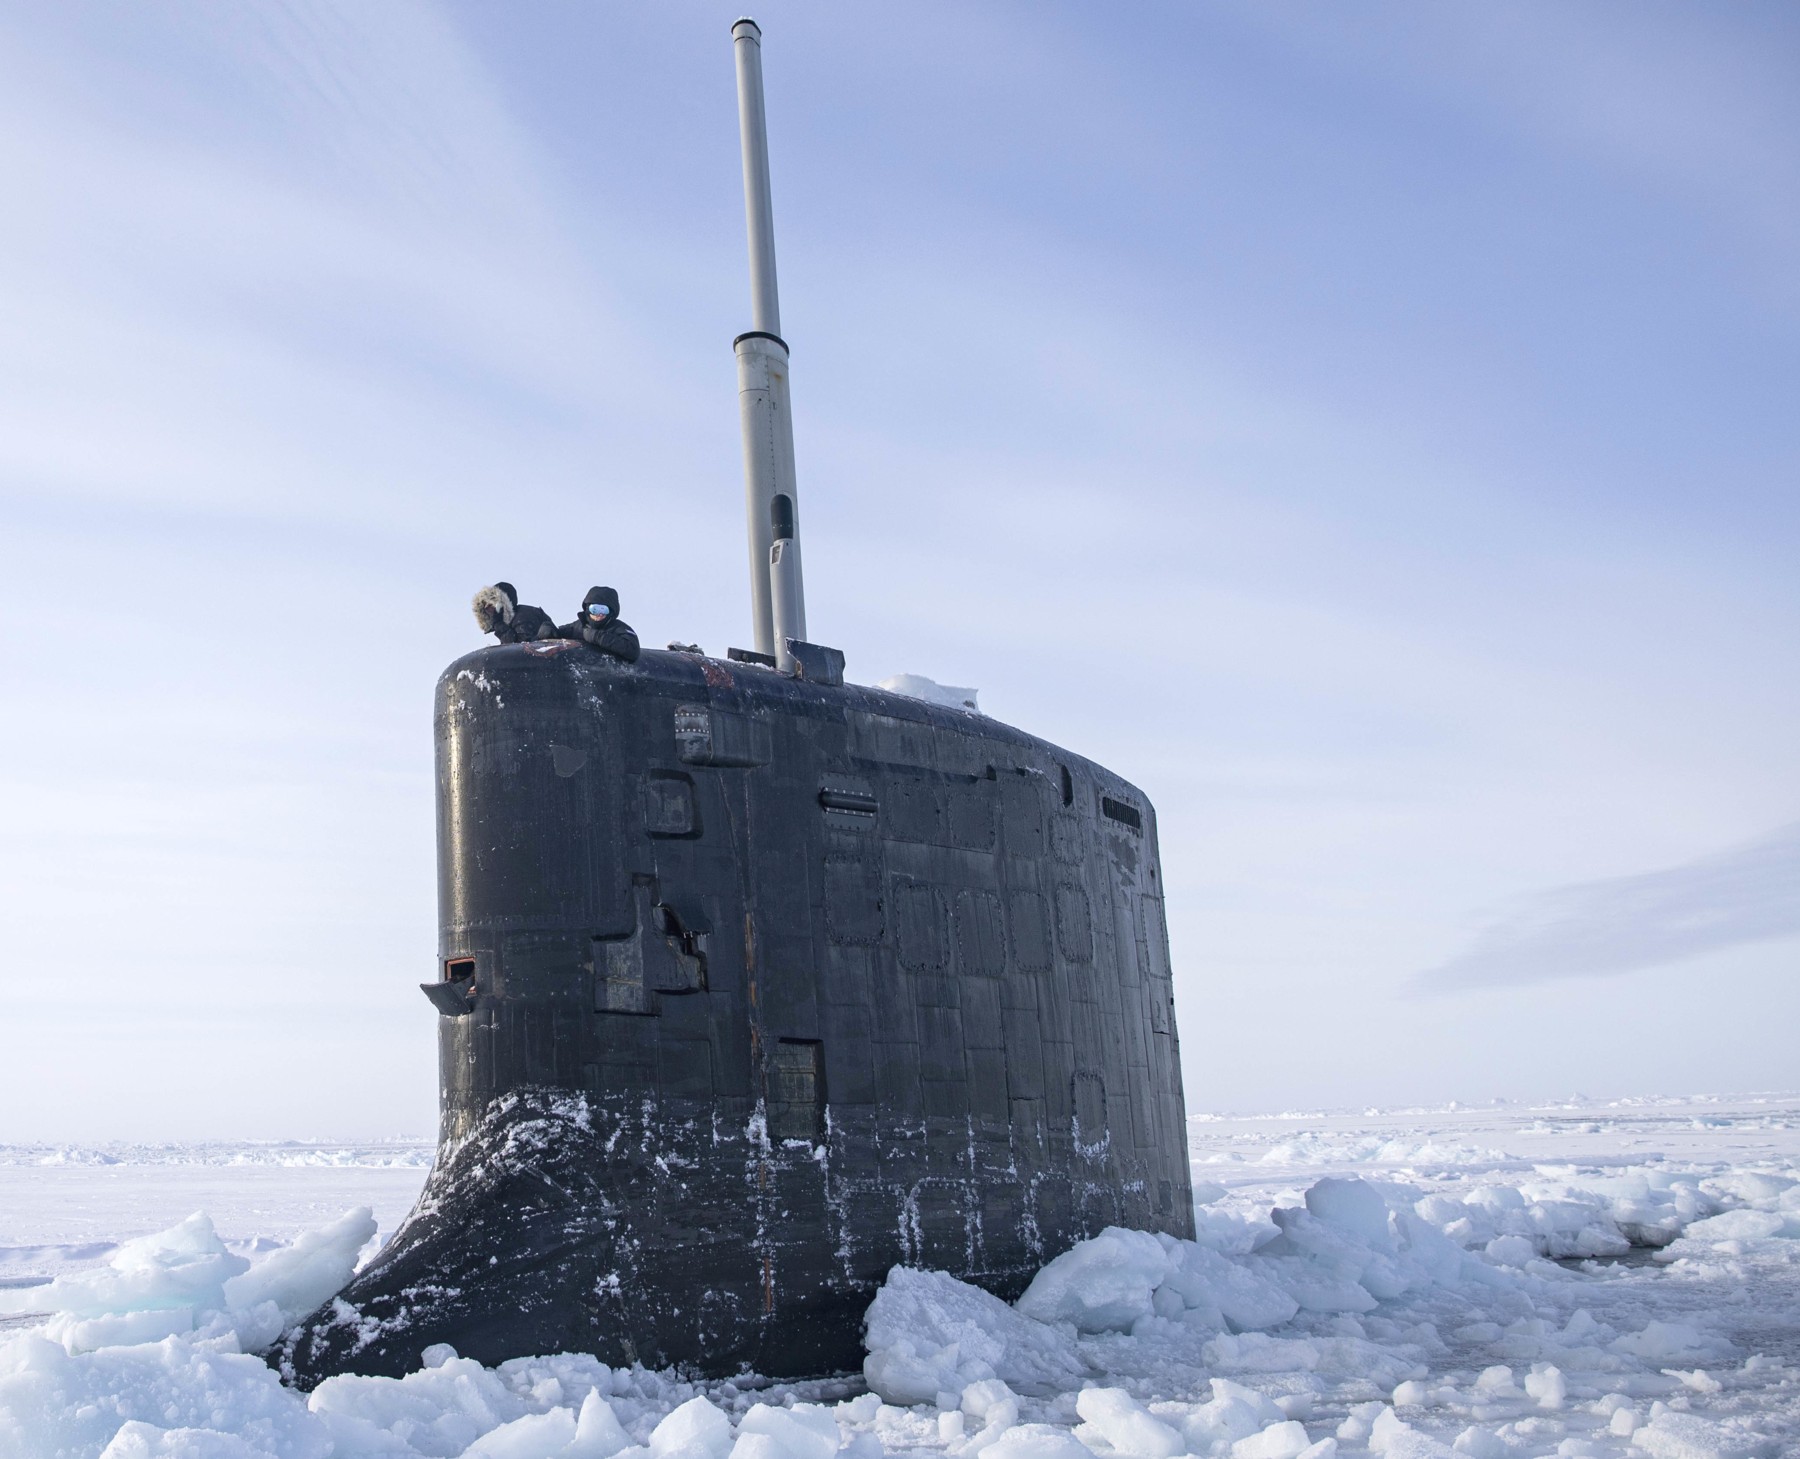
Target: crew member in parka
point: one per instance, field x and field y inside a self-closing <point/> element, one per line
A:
<point x="601" y="627"/>
<point x="499" y="612"/>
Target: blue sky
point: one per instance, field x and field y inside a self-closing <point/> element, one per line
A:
<point x="1369" y="429"/>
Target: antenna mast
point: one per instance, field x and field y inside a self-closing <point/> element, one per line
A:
<point x="777" y="602"/>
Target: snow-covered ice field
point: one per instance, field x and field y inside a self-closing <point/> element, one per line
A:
<point x="63" y="1207"/>
<point x="1583" y="1279"/>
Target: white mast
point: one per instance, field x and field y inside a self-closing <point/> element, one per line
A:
<point x="777" y="602"/>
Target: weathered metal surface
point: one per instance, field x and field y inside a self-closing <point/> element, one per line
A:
<point x="763" y="986"/>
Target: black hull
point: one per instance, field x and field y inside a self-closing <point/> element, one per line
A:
<point x="754" y="988"/>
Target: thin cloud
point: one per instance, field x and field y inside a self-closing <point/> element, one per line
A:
<point x="1748" y="894"/>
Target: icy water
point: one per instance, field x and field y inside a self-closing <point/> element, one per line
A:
<point x="1577" y="1279"/>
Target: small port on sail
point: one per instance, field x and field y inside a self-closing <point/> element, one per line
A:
<point x="454" y="995"/>
<point x="857" y="802"/>
<point x="1125" y="815"/>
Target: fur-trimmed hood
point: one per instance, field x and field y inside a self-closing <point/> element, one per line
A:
<point x="499" y="612"/>
<point x="494" y="607"/>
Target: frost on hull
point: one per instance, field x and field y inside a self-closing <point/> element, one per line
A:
<point x="531" y="1236"/>
<point x="751" y="988"/>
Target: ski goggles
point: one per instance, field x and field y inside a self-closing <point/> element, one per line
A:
<point x="598" y="610"/>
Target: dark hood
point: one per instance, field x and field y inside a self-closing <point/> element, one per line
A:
<point x="602" y="595"/>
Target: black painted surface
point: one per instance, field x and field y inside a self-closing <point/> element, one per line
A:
<point x="773" y="985"/>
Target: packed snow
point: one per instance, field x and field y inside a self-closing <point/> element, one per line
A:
<point x="1589" y="1280"/>
<point x="917" y="686"/>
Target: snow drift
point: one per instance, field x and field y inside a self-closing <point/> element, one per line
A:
<point x="1367" y="1317"/>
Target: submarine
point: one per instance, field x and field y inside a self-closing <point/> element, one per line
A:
<point x="754" y="982"/>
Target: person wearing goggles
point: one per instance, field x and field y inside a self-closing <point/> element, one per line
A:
<point x="600" y="626"/>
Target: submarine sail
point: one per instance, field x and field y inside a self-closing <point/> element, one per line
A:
<point x="753" y="983"/>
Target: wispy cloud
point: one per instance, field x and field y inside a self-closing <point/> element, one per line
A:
<point x="1750" y="893"/>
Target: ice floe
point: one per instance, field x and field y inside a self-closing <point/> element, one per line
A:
<point x="1500" y="1308"/>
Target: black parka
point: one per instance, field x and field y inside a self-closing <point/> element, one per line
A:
<point x="611" y="637"/>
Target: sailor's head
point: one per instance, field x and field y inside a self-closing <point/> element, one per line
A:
<point x="600" y="607"/>
<point x="494" y="606"/>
